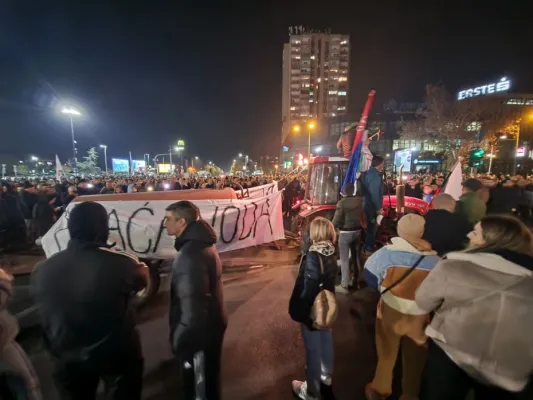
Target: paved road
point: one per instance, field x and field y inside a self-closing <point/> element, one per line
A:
<point x="263" y="351"/>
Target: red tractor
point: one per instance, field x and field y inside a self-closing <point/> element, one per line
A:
<point x="325" y="178"/>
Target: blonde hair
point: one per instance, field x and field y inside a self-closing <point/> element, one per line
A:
<point x="504" y="232"/>
<point x="322" y="230"/>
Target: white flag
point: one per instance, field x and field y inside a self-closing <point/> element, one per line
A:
<point x="453" y="186"/>
<point x="59" y="169"/>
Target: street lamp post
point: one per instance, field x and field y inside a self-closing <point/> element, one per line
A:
<point x="310" y="126"/>
<point x="70" y="112"/>
<point x="491" y="156"/>
<point x="104" y="146"/>
<point x="516" y="149"/>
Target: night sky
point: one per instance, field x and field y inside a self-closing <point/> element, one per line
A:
<point x="147" y="73"/>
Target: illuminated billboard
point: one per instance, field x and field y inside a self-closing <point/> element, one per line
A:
<point x="139" y="165"/>
<point x="165" y="168"/>
<point x="502" y="85"/>
<point x="120" y="165"/>
<point x="403" y="157"/>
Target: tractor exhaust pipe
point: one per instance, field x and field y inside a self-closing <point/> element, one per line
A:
<point x="400" y="195"/>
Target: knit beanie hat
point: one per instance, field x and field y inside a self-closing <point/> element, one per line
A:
<point x="88" y="222"/>
<point x="411" y="228"/>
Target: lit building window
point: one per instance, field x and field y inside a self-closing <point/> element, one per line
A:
<point x="342" y="79"/>
<point x="312" y="57"/>
<point x="293" y="108"/>
<point x="344" y="42"/>
<point x="342" y="93"/>
<point x="473" y="127"/>
<point x="332" y="92"/>
<point x="310" y="100"/>
<point x="341" y="108"/>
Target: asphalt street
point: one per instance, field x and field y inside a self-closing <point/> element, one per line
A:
<point x="263" y="350"/>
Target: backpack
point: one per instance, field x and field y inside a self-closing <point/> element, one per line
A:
<point x="325" y="308"/>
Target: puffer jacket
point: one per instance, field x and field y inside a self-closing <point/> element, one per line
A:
<point x="9" y="327"/>
<point x="310" y="277"/>
<point x="483" y="320"/>
<point x="197" y="313"/>
<point x="348" y="213"/>
<point x="387" y="266"/>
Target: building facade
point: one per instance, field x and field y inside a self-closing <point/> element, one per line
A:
<point x="315" y="77"/>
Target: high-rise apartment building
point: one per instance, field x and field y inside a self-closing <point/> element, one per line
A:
<point x="315" y="77"/>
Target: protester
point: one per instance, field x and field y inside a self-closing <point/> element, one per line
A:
<point x="84" y="295"/>
<point x="481" y="331"/>
<point x="428" y="193"/>
<point x="347" y="219"/>
<point x="412" y="189"/>
<point x="445" y="230"/>
<point x="197" y="314"/>
<point x="318" y="270"/>
<point x="372" y="183"/>
<point x="397" y="270"/>
<point x="43" y="211"/>
<point x="17" y="366"/>
<point x="470" y="203"/>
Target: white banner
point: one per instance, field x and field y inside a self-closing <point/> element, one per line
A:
<point x="138" y="226"/>
<point x="258" y="191"/>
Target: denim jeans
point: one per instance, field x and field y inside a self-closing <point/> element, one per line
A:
<point x="348" y="243"/>
<point x="318" y="357"/>
<point x="370" y="231"/>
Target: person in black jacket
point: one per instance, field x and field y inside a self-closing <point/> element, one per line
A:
<point x="347" y="220"/>
<point x="318" y="343"/>
<point x="84" y="294"/>
<point x="444" y="229"/>
<point x="197" y="314"/>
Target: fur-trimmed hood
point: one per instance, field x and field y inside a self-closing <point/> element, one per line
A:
<point x="324" y="248"/>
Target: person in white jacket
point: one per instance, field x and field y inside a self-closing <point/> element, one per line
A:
<point x="482" y="328"/>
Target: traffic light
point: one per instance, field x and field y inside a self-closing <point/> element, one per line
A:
<point x="476" y="157"/>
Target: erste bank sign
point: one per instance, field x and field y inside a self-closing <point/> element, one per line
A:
<point x="503" y="85"/>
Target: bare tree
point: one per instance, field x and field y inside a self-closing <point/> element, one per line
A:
<point x="455" y="126"/>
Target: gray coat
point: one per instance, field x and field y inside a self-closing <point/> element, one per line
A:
<point x="483" y="314"/>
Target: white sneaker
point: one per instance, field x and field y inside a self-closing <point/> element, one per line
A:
<point x="299" y="389"/>
<point x="326" y="380"/>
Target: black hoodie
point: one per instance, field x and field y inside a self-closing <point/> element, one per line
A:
<point x="197" y="315"/>
<point x="85" y="292"/>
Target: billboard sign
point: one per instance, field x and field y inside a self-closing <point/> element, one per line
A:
<point x="502" y="85"/>
<point x="403" y="157"/>
<point x="139" y="165"/>
<point x="165" y="168"/>
<point x="120" y="165"/>
<point x="520" y="151"/>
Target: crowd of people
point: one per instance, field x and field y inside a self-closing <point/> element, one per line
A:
<point x="453" y="289"/>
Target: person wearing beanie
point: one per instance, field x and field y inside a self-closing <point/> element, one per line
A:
<point x="84" y="294"/>
<point x="396" y="271"/>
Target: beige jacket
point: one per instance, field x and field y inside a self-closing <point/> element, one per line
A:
<point x="484" y="315"/>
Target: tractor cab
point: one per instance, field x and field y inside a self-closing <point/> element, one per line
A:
<point x="324" y="182"/>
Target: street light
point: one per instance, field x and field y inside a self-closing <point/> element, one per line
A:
<point x="104" y="146"/>
<point x="33" y="158"/>
<point x="310" y="126"/>
<point x="240" y="154"/>
<point x="70" y="111"/>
